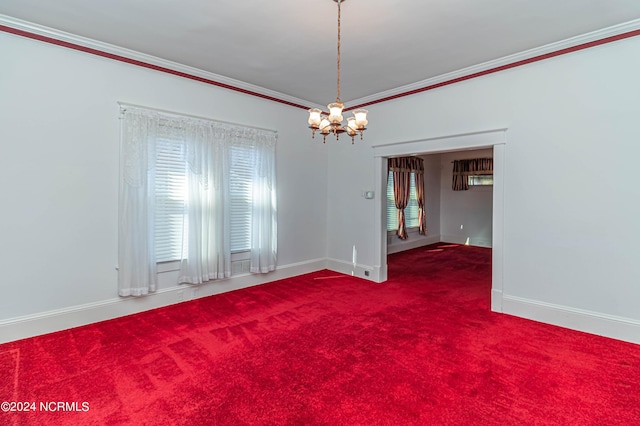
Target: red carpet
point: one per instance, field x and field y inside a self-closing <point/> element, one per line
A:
<point x="420" y="349"/>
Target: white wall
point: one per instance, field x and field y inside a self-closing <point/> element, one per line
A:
<point x="465" y="215"/>
<point x="571" y="203"/>
<point x="59" y="131"/>
<point x="433" y="194"/>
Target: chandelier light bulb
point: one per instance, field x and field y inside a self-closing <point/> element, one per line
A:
<point x="361" y="118"/>
<point x="351" y="125"/>
<point x="314" y="117"/>
<point x="325" y="125"/>
<point x="335" y="112"/>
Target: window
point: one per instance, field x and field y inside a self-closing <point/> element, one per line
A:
<point x="171" y="199"/>
<point x="171" y="219"/>
<point x="472" y="172"/>
<point x="410" y="212"/>
<point x="480" y="180"/>
<point x="241" y="200"/>
<point x="194" y="190"/>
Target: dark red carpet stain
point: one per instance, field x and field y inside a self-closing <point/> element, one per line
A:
<point x="326" y="349"/>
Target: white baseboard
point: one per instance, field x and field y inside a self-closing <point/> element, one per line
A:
<point x="367" y="272"/>
<point x="453" y="239"/>
<point x="47" y="322"/>
<point x="74" y="316"/>
<point x="496" y="300"/>
<point x="620" y="328"/>
<point x="411" y="244"/>
<point x="459" y="239"/>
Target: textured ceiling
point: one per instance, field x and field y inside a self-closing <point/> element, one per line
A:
<point x="289" y="46"/>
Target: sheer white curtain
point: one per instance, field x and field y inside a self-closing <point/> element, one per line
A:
<point x="207" y="222"/>
<point x="136" y="242"/>
<point x="207" y="232"/>
<point x="209" y="157"/>
<point x="264" y="244"/>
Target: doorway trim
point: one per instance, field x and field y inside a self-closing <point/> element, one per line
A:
<point x="496" y="139"/>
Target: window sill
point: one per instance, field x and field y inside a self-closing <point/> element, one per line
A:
<point x="412" y="230"/>
<point x="174" y="265"/>
<point x="168" y="266"/>
<point x="240" y="255"/>
<point x="413" y="234"/>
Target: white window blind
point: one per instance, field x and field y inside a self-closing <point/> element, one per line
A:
<point x="171" y="190"/>
<point x="240" y="194"/>
<point x="410" y="212"/>
<point x="171" y="221"/>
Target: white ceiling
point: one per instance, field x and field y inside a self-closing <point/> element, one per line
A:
<point x="289" y="46"/>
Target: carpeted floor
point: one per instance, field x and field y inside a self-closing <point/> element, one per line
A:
<point x="328" y="349"/>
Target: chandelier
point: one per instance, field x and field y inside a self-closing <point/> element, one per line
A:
<point x="332" y="123"/>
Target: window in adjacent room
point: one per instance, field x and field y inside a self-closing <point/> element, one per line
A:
<point x="480" y="180"/>
<point x="410" y="212"/>
<point x="472" y="172"/>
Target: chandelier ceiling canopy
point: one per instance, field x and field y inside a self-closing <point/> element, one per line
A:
<point x="332" y="122"/>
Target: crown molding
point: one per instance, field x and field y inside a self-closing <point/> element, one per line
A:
<point x="573" y="44"/>
<point x="44" y="34"/>
<point x="52" y="36"/>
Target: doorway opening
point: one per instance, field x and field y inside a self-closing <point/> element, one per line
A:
<point x="495" y="139"/>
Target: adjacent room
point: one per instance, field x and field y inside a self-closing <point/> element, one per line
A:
<point x="319" y="212"/>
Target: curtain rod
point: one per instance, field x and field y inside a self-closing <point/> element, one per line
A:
<point x="179" y="114"/>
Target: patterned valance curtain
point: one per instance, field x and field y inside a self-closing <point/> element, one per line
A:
<point x="462" y="169"/>
<point x="402" y="167"/>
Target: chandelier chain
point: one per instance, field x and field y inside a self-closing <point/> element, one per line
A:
<point x="332" y="122"/>
<point x="338" y="98"/>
